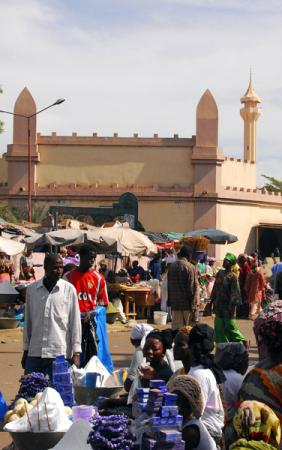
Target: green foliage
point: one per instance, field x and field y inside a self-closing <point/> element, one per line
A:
<point x="273" y="184"/>
<point x="7" y="214"/>
<point x="16" y="214"/>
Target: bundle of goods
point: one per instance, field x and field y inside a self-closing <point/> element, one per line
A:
<point x="62" y="381"/>
<point x="22" y="407"/>
<point x="197" y="243"/>
<point x="30" y="385"/>
<point x="110" y="432"/>
<point x="160" y="412"/>
<point x="45" y="413"/>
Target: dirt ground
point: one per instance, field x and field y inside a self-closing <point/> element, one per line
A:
<point x="120" y="348"/>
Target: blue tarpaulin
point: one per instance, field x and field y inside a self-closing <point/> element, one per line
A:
<point x="103" y="345"/>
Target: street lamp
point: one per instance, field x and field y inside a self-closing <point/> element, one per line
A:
<point x="57" y="102"/>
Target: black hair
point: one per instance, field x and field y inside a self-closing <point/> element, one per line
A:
<point x="85" y="249"/>
<point x="185" y="252"/>
<point x="50" y="259"/>
<point x="68" y="268"/>
<point x="165" y="336"/>
<point x="201" y="342"/>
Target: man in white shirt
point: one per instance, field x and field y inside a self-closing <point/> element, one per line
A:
<point x="52" y="320"/>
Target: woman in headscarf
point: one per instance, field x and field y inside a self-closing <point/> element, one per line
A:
<point x="138" y="333"/>
<point x="209" y="375"/>
<point x="271" y="311"/>
<point x="264" y="382"/>
<point x="211" y="272"/>
<point x="233" y="358"/>
<point x="257" y="427"/>
<point x="255" y="287"/>
<point x="225" y="297"/>
<point x="191" y="405"/>
<point x="156" y="344"/>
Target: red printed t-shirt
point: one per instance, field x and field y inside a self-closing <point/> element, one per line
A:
<point x="90" y="287"/>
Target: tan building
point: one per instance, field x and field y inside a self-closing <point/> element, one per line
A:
<point x="181" y="183"/>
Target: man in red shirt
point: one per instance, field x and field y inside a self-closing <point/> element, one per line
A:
<point x="91" y="292"/>
<point x="90" y="285"/>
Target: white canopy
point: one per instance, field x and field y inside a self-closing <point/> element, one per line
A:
<point x="11" y="247"/>
<point x="131" y="242"/>
<point x="117" y="239"/>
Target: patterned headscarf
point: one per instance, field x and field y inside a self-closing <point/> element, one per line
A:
<point x="268" y="326"/>
<point x="256" y="423"/>
<point x="229" y="354"/>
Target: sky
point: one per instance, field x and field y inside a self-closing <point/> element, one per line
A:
<point x="141" y="66"/>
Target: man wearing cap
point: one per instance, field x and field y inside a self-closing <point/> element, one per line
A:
<point x="226" y="297"/>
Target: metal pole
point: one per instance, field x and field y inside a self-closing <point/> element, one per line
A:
<point x="29" y="171"/>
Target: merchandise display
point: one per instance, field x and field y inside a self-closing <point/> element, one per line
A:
<point x="159" y="420"/>
<point x="62" y="381"/>
<point x="32" y="384"/>
<point x="46" y="414"/>
<point x="110" y="433"/>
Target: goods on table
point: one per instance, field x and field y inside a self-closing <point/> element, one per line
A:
<point x="62" y="381"/>
<point x="45" y="413"/>
<point x="32" y="384"/>
<point x="110" y="432"/>
<point x="158" y="418"/>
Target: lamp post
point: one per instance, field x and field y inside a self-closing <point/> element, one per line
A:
<point x="57" y="102"/>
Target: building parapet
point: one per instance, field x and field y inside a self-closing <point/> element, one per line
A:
<point x="247" y="194"/>
<point x="238" y="160"/>
<point x="115" y="140"/>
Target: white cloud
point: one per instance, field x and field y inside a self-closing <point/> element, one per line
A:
<point x="118" y="75"/>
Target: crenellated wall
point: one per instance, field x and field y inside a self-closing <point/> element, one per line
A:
<point x="236" y="172"/>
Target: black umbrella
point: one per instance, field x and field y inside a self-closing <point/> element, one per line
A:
<point x="214" y="236"/>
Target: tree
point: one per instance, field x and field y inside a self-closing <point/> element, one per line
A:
<point x="273" y="184"/>
<point x="1" y="123"/>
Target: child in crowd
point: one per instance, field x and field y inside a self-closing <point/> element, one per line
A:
<point x="191" y="405"/>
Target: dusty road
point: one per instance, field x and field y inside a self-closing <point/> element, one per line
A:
<point x="120" y="347"/>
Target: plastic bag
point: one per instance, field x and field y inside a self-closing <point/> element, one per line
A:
<point x="49" y="415"/>
<point x="3" y="407"/>
<point x="105" y="379"/>
<point x="101" y="331"/>
<point x="93" y="366"/>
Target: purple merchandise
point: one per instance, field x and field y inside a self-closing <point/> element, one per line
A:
<point x="156" y="383"/>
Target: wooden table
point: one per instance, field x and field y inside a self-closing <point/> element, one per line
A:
<point x="138" y="297"/>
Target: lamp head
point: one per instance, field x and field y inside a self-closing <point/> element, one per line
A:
<point x="59" y="101"/>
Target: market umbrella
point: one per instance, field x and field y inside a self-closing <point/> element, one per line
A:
<point x="131" y="242"/>
<point x="214" y="236"/>
<point x="11" y="247"/>
<point x="160" y="239"/>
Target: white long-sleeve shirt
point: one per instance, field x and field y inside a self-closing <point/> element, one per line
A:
<point x="52" y="320"/>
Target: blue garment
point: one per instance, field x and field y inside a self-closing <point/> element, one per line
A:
<point x="276" y="268"/>
<point x="38" y="364"/>
<point x="155" y="268"/>
<point x="103" y="345"/>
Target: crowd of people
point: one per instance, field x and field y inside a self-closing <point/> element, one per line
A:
<point x="224" y="402"/>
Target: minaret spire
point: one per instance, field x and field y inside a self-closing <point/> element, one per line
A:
<point x="250" y="113"/>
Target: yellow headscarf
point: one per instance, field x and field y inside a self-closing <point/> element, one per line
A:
<point x="257" y="425"/>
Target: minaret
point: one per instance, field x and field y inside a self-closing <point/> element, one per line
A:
<point x="250" y="113"/>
